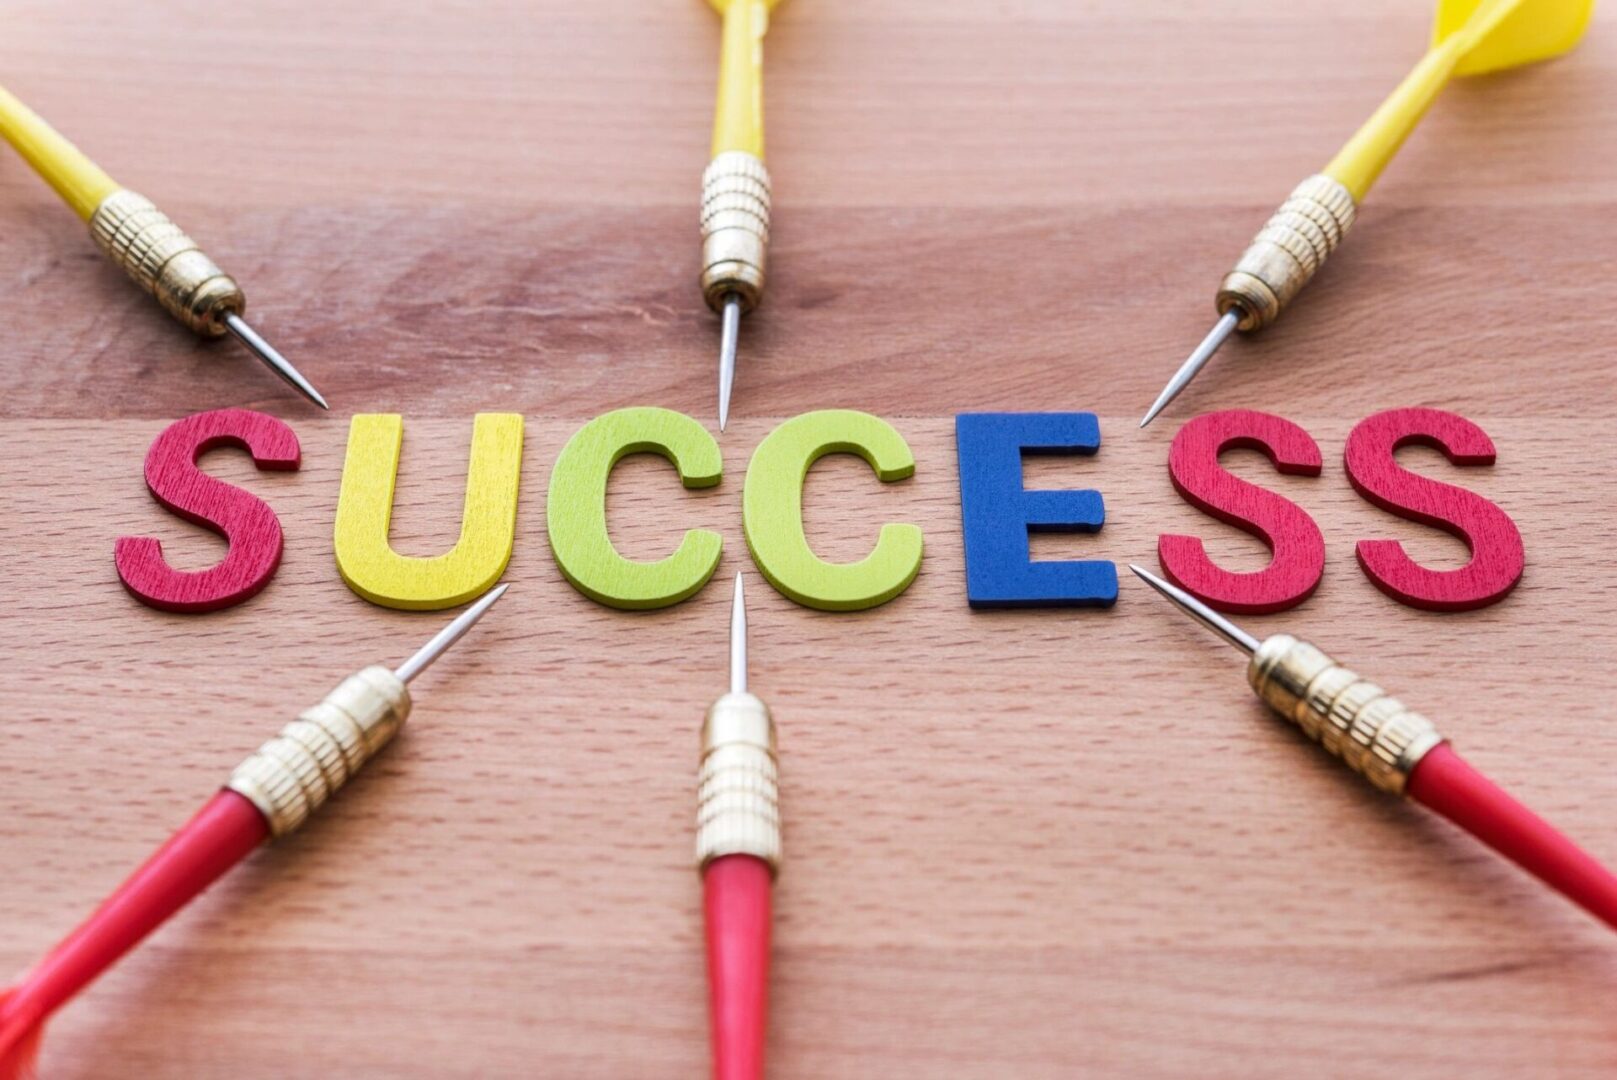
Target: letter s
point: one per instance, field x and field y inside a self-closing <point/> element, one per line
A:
<point x="1299" y="549"/>
<point x="246" y="522"/>
<point x="1496" y="545"/>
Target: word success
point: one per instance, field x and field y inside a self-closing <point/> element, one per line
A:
<point x="997" y="513"/>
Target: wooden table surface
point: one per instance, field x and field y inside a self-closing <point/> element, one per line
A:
<point x="1020" y="844"/>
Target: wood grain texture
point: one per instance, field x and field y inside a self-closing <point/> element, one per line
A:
<point x="1030" y="844"/>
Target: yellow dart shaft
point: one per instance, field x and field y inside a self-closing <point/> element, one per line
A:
<point x="1360" y="162"/>
<point x="78" y="180"/>
<point x="735" y="185"/>
<point x="738" y="120"/>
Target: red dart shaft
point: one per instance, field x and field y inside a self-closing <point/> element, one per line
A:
<point x="738" y="851"/>
<point x="217" y="838"/>
<point x="271" y="793"/>
<point x="737" y="899"/>
<point x="1446" y="783"/>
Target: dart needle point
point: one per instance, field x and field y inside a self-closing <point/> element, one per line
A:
<point x="1204" y="352"/>
<point x="1199" y="611"/>
<point x="272" y="359"/>
<point x="448" y="636"/>
<point x="738" y="640"/>
<point x="727" y="355"/>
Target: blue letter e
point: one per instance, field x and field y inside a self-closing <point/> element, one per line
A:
<point x="998" y="513"/>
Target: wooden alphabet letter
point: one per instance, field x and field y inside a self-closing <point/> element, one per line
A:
<point x="365" y="513"/>
<point x="575" y="512"/>
<point x="1299" y="549"/>
<point x="772" y="512"/>
<point x="1496" y="545"/>
<point x="997" y="513"/>
<point x="246" y="522"/>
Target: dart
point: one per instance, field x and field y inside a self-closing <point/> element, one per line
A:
<point x="1469" y="37"/>
<point x="268" y="796"/>
<point x="735" y="185"/>
<point x="738" y="852"/>
<point x="140" y="238"/>
<point x="1400" y="752"/>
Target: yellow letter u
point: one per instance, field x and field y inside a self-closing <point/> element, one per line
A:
<point x="365" y="512"/>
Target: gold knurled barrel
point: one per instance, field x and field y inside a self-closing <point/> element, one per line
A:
<point x="1375" y="735"/>
<point x="165" y="262"/>
<point x="735" y="229"/>
<point x="738" y="798"/>
<point x="289" y="777"/>
<point x="1287" y="250"/>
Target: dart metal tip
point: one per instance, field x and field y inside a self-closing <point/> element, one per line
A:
<point x="728" y="337"/>
<point x="272" y="359"/>
<point x="738" y="639"/>
<point x="443" y="639"/>
<point x="1204" y="352"/>
<point x="1199" y="611"/>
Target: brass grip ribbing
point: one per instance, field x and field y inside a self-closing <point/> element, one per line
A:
<point x="289" y="777"/>
<point x="1374" y="734"/>
<point x="1287" y="250"/>
<point x="165" y="262"/>
<point x="738" y="807"/>
<point x="735" y="229"/>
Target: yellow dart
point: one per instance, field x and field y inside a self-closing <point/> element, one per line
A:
<point x="1469" y="37"/>
<point x="735" y="186"/>
<point x="140" y="238"/>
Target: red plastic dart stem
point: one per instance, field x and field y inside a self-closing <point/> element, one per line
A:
<point x="1446" y="783"/>
<point x="737" y="899"/>
<point x="219" y="837"/>
<point x="738" y="850"/>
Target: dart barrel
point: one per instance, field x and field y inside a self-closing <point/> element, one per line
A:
<point x="1374" y="734"/>
<point x="735" y="229"/>
<point x="738" y="795"/>
<point x="1287" y="251"/>
<point x="165" y="262"/>
<point x="293" y="774"/>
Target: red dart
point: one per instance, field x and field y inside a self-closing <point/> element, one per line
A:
<point x="269" y="795"/>
<point x="1400" y="752"/>
<point x="738" y="851"/>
